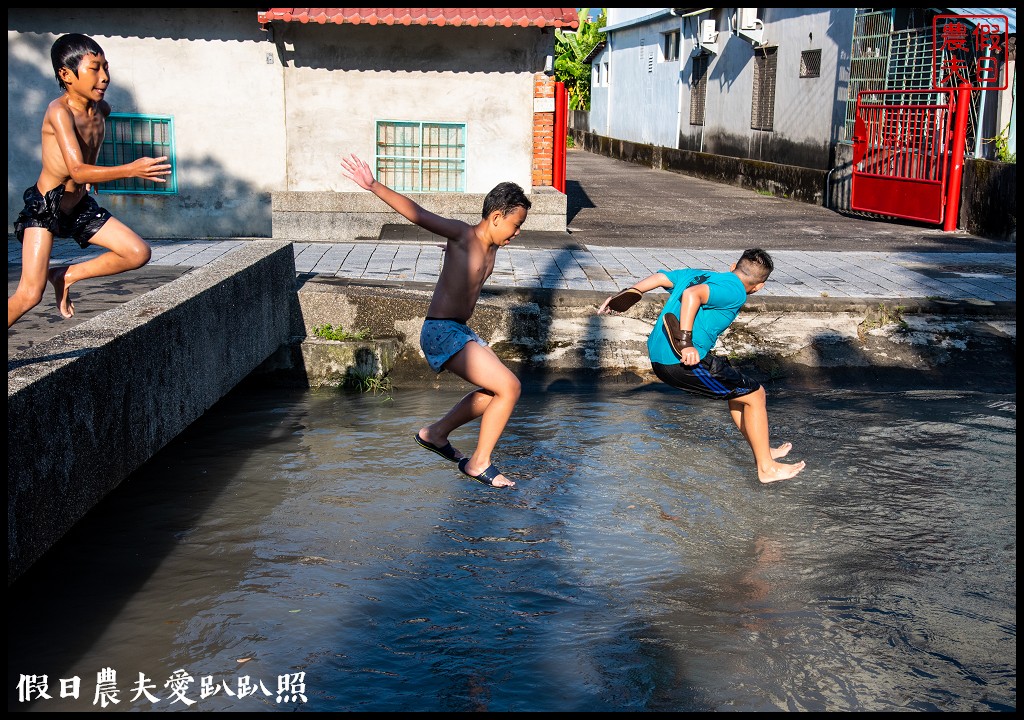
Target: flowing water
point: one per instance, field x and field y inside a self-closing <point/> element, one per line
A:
<point x="300" y="544"/>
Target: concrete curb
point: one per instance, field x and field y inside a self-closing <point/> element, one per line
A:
<point x="90" y="406"/>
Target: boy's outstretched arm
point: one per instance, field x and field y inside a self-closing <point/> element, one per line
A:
<point x="63" y="123"/>
<point x="657" y="280"/>
<point x="356" y="170"/>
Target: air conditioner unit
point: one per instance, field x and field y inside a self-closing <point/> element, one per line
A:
<point x="749" y="26"/>
<point x="708" y="33"/>
<point x="748" y="19"/>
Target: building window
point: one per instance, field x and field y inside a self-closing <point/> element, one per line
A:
<point x="894" y="49"/>
<point x="670" y="46"/>
<point x="698" y="89"/>
<point x="422" y="156"/>
<point x="607" y="74"/>
<point x="810" y="63"/>
<point x="762" y="111"/>
<point x="129" y="137"/>
<point x="596" y="71"/>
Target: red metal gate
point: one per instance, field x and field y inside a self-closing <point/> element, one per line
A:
<point x="901" y="153"/>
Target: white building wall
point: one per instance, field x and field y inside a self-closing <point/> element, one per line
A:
<point x="257" y="112"/>
<point x="337" y="89"/>
<point x="599" y="93"/>
<point x="643" y="98"/>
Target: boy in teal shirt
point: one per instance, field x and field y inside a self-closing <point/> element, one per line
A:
<point x="700" y="306"/>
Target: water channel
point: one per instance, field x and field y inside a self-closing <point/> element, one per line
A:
<point x="298" y="544"/>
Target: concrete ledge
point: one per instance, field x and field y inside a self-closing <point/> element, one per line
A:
<point x="345" y="216"/>
<point x="333" y="363"/>
<point x="559" y="332"/>
<point x="89" y="407"/>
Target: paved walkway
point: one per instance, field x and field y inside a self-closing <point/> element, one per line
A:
<point x="989" y="277"/>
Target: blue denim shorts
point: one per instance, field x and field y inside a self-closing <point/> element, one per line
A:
<point x="441" y="338"/>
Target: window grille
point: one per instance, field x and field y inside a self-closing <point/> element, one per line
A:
<point x="762" y="111"/>
<point x="894" y="52"/>
<point x="129" y="137"/>
<point x="698" y="89"/>
<point x="869" y="60"/>
<point x="422" y="156"/>
<point x="810" y="64"/>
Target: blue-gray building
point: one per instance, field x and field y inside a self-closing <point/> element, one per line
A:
<point x="776" y="85"/>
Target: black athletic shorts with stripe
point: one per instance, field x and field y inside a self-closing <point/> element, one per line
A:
<point x="714" y="377"/>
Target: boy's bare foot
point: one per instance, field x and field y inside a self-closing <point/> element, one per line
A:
<point x="779" y="471"/>
<point x="61" y="291"/>
<point x="488" y="476"/>
<point x="782" y="450"/>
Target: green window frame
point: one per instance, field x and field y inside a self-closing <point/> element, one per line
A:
<point x="414" y="156"/>
<point x="130" y="136"/>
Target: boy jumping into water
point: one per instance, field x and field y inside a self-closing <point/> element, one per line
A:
<point x="446" y="340"/>
<point x="59" y="204"/>
<point x="700" y="306"/>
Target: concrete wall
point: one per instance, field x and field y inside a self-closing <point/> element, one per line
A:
<point x="808" y="112"/>
<point x="345" y="216"/>
<point x="559" y="333"/>
<point x="86" y="409"/>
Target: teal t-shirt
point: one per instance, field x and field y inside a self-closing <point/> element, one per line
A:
<point x="726" y="295"/>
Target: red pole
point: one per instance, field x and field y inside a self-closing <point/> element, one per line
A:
<point x="558" y="152"/>
<point x="956" y="169"/>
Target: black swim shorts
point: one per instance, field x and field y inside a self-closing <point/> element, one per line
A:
<point x="712" y="377"/>
<point x="84" y="221"/>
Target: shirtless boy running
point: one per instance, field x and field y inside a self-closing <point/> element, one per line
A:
<point x="59" y="204"/>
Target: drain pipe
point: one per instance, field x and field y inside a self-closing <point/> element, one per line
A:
<point x="978" y="134"/>
<point x="828" y="187"/>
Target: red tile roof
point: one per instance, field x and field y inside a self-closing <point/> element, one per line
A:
<point x="474" y="17"/>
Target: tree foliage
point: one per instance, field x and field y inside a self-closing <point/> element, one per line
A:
<point x="571" y="49"/>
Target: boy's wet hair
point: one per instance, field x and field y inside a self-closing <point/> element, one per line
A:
<point x="756" y="264"/>
<point x="68" y="51"/>
<point x="505" y="197"/>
